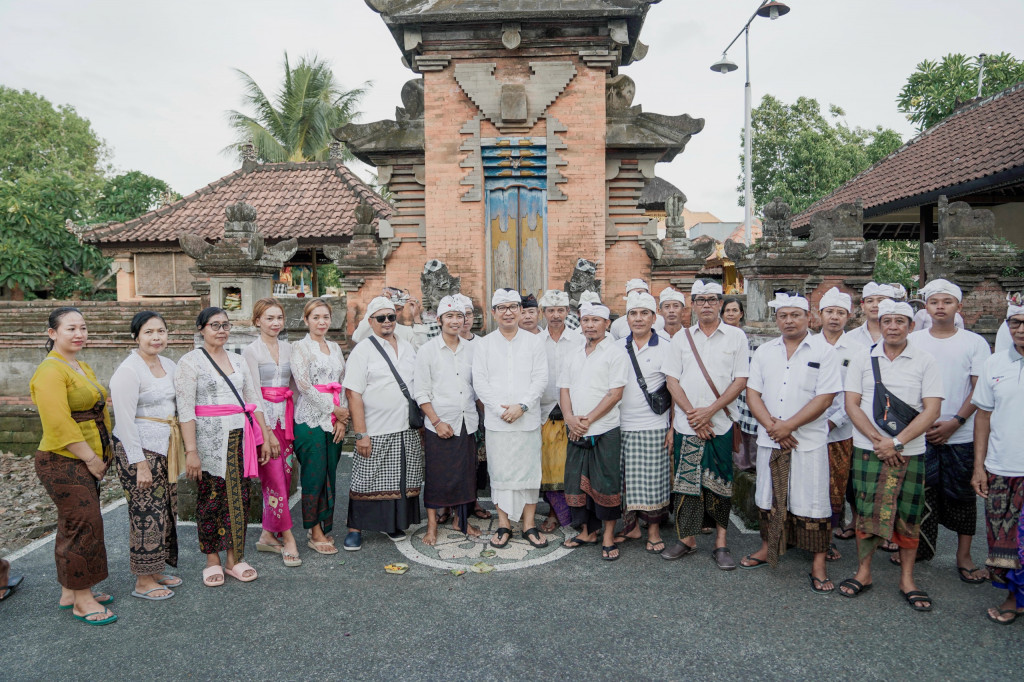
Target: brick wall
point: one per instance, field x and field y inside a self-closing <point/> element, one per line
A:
<point x="626" y="260"/>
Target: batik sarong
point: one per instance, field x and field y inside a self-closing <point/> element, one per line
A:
<point x="276" y="481"/>
<point x="593" y="479"/>
<point x="840" y="454"/>
<point x="890" y="501"/>
<point x="152" y="513"/>
<point x="78" y="548"/>
<point x="646" y="474"/>
<point x="385" y="490"/>
<point x="1004" y="522"/>
<point x="222" y="504"/>
<point x="703" y="482"/>
<point x="318" y="457"/>
<point x="949" y="499"/>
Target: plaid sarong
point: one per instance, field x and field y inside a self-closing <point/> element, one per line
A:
<point x="890" y="500"/>
<point x="379" y="476"/>
<point x="646" y="470"/>
<point x="746" y="420"/>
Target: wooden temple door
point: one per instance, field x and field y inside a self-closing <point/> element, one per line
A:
<point x="516" y="184"/>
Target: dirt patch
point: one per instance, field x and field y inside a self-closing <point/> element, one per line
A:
<point x="26" y="511"/>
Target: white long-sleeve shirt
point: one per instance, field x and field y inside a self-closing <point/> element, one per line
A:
<point x="136" y="393"/>
<point x="444" y="378"/>
<point x="557" y="352"/>
<point x="845" y="349"/>
<point x="509" y="373"/>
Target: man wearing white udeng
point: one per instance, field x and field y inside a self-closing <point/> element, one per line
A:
<point x="510" y="373"/>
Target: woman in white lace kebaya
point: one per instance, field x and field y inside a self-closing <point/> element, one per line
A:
<point x="222" y="426"/>
<point x="320" y="419"/>
<point x="269" y="361"/>
<point x="147" y="452"/>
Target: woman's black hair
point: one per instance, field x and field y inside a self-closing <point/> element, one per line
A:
<point x="206" y="314"/>
<point x="733" y="299"/>
<point x="142" y="318"/>
<point x="53" y="321"/>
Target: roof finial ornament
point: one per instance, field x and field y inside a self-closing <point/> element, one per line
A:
<point x="248" y="150"/>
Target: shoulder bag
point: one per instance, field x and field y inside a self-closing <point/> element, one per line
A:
<point x="661" y="400"/>
<point x="415" y="413"/>
<point x="891" y="414"/>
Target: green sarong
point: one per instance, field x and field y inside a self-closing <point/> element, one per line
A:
<point x="318" y="457"/>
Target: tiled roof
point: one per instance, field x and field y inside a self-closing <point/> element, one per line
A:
<point x="981" y="144"/>
<point x="308" y="200"/>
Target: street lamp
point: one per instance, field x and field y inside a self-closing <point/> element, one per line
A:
<point x="770" y="10"/>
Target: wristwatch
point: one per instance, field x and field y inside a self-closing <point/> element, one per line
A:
<point x="960" y="419"/>
<point x="897" y="444"/>
<point x="359" y="436"/>
<point x="524" y="407"/>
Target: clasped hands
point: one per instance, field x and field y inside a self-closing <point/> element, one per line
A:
<point x="578" y="426"/>
<point x="511" y="413"/>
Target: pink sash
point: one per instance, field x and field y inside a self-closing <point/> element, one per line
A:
<point x="251" y="437"/>
<point x="334" y="388"/>
<point x="281" y="394"/>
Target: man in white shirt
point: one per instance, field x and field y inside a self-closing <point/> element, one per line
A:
<point x="793" y="380"/>
<point x="869" y="333"/>
<point x="888" y="469"/>
<point x="410" y="326"/>
<point x="646" y="437"/>
<point x="387" y="471"/>
<point x="999" y="463"/>
<point x="834" y="308"/>
<point x="559" y="342"/>
<point x="949" y="499"/>
<point x="444" y="391"/>
<point x="510" y="373"/>
<point x="620" y="327"/>
<point x="923" y="321"/>
<point x="591" y="385"/>
<point x="672" y="304"/>
<point x="704" y="412"/>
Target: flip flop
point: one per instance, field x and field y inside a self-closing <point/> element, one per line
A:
<point x="833" y="553"/>
<point x="915" y="597"/>
<point x="607" y="550"/>
<point x="578" y="542"/>
<point x="856" y="587"/>
<point x="106" y="601"/>
<point x="889" y="546"/>
<point x="847" y="533"/>
<point x="170" y="581"/>
<point x="965" y="574"/>
<point x="237" y="572"/>
<point x="105" y="621"/>
<point x="481" y="513"/>
<point x="323" y="547"/>
<point x="269" y="548"/>
<point x="292" y="560"/>
<point x="651" y="545"/>
<point x="12" y="584"/>
<point x="816" y="585"/>
<point x="145" y="595"/>
<point x="758" y="563"/>
<point x="502" y="532"/>
<point x="1003" y="612"/>
<point x="210" y="572"/>
<point x="531" y="534"/>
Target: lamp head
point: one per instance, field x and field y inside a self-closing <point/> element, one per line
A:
<point x="724" y="65"/>
<point x="773" y="10"/>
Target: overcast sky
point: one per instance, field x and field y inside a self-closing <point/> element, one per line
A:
<point x="156" y="78"/>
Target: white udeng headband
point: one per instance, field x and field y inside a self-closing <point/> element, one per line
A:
<point x="449" y="304"/>
<point x="834" y="298"/>
<point x="641" y="299"/>
<point x="890" y="307"/>
<point x="876" y="289"/>
<point x="670" y="294"/>
<point x="941" y="286"/>
<point x="594" y="310"/>
<point x="702" y="287"/>
<point x="553" y="298"/>
<point x="379" y="303"/>
<point x="1014" y="305"/>
<point x="787" y="301"/>
<point x="505" y="296"/>
<point x="589" y="297"/>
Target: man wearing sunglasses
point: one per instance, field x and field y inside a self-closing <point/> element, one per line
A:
<point x="387" y="472"/>
<point x="510" y="373"/>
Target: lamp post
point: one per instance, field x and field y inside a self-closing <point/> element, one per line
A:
<point x="771" y="10"/>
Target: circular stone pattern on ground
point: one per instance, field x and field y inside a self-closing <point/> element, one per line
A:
<point x="454" y="550"/>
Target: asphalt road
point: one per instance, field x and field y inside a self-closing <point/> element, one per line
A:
<point x="575" y="618"/>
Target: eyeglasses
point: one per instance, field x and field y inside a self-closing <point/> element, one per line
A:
<point x="218" y="326"/>
<point x="381" y="319"/>
<point x="1014" y="323"/>
<point x="705" y="300"/>
<point x="510" y="308"/>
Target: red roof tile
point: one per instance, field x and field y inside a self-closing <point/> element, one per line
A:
<point x="980" y="140"/>
<point x="309" y="200"/>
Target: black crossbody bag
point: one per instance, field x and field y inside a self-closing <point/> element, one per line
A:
<point x="231" y="386"/>
<point x="661" y="400"/>
<point x="891" y="414"/>
<point x="415" y="413"/>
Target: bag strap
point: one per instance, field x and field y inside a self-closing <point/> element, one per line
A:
<point x="636" y="369"/>
<point x="398" y="377"/>
<point x="877" y="372"/>
<point x="230" y="385"/>
<point x="703" y="369"/>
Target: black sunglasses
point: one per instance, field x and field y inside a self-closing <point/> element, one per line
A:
<point x="382" y="318"/>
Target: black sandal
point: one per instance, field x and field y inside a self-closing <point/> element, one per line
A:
<point x="531" y="534"/>
<point x="915" y="597"/>
<point x="578" y="542"/>
<point x="967" y="573"/>
<point x="855" y="586"/>
<point x="817" y="585"/>
<point x="847" y="533"/>
<point x="606" y="551"/>
<point x="833" y="553"/>
<point x="481" y="513"/>
<point x="1003" y="612"/>
<point x="502" y="532"/>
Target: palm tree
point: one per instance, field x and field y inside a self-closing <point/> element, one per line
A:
<point x="297" y="124"/>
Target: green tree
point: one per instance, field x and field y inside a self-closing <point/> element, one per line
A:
<point x="801" y="155"/>
<point x="129" y="195"/>
<point x="936" y="89"/>
<point x="898" y="261"/>
<point x="296" y="124"/>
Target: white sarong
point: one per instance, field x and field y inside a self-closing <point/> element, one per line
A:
<point x="808" y="483"/>
<point x="513" y="464"/>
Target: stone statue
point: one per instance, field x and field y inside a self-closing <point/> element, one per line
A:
<point x="436" y="283"/>
<point x="582" y="279"/>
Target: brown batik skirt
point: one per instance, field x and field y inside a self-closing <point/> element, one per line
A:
<point x="78" y="548"/>
<point x="222" y="504"/>
<point x="152" y="533"/>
